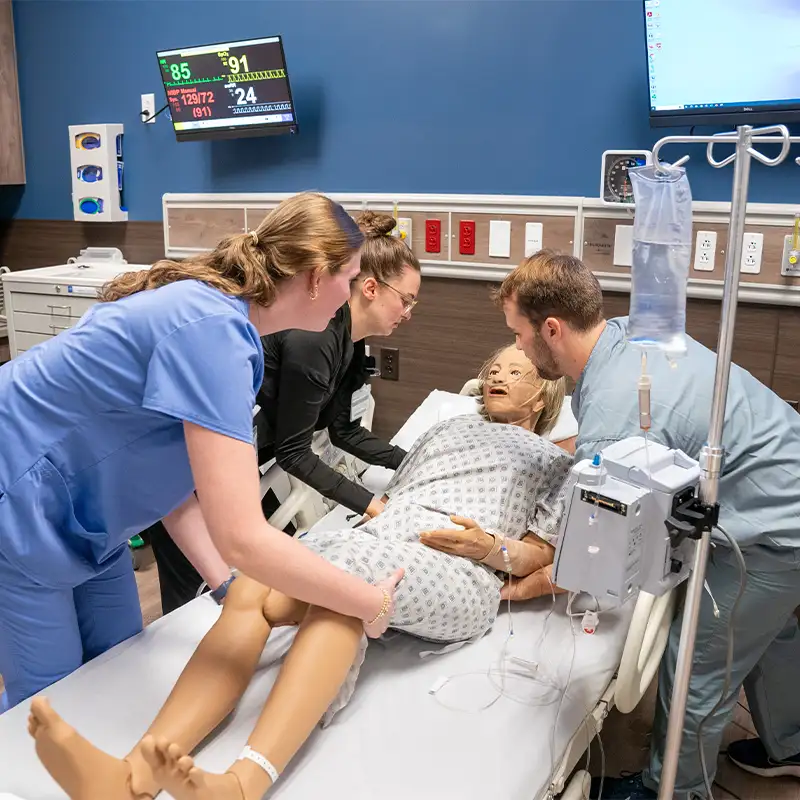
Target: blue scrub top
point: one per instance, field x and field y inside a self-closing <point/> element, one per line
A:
<point x="92" y="448"/>
<point x="758" y="490"/>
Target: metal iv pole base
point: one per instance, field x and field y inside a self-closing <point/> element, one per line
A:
<point x="743" y="140"/>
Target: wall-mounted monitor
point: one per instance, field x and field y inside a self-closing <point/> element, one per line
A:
<point x="228" y="90"/>
<point x="722" y="62"/>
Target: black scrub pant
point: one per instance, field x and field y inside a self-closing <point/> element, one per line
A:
<point x="178" y="579"/>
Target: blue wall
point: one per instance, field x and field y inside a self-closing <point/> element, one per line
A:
<point x="487" y="96"/>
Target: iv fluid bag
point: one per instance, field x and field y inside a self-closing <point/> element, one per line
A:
<point x="662" y="248"/>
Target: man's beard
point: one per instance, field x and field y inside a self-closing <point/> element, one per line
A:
<point x="544" y="361"/>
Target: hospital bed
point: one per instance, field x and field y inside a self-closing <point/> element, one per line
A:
<point x="396" y="739"/>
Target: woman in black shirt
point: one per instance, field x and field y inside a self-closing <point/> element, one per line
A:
<point x="310" y="380"/>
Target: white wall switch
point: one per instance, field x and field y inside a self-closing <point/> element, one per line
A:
<point x="403" y="229"/>
<point x="499" y="238"/>
<point x="148" y="108"/>
<point x="752" y="248"/>
<point x="623" y="246"/>
<point x="533" y="238"/>
<point x="705" y="250"/>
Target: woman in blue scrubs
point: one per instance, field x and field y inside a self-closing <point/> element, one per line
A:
<point x="143" y="411"/>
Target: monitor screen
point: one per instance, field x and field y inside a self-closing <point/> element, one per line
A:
<point x="727" y="62"/>
<point x="228" y="90"/>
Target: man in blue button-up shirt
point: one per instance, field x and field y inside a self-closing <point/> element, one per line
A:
<point x="553" y="303"/>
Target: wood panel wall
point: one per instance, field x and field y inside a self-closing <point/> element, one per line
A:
<point x="453" y="328"/>
<point x="12" y="157"/>
<point x="30" y="243"/>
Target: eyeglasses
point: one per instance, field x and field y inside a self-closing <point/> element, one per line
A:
<point x="408" y="301"/>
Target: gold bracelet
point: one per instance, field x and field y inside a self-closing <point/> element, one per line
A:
<point x="384" y="608"/>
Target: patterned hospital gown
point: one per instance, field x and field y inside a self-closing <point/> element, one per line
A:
<point x="507" y="479"/>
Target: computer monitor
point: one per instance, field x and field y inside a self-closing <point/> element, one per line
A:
<point x="228" y="90"/>
<point x="722" y="62"/>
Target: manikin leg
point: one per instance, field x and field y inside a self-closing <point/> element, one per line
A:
<point x="310" y="677"/>
<point x="219" y="671"/>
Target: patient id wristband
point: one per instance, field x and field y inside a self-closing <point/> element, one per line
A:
<point x="248" y="754"/>
<point x="219" y="593"/>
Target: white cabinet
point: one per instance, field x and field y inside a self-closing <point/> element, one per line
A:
<point x="41" y="303"/>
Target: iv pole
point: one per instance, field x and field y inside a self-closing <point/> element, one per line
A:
<point x="711" y="460"/>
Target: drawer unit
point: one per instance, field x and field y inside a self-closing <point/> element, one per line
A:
<point x="51" y="305"/>
<point x="42" y="323"/>
<point x="41" y="303"/>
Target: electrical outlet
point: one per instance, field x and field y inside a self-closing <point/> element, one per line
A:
<point x="148" y="108"/>
<point x="390" y="364"/>
<point x="466" y="237"/>
<point x="705" y="250"/>
<point x="404" y="230"/>
<point x="752" y="247"/>
<point x="433" y="236"/>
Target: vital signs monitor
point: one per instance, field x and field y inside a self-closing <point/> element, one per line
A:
<point x="228" y="90"/>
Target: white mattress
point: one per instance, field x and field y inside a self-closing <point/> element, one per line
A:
<point x="395" y="740"/>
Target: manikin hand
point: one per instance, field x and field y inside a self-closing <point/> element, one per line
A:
<point x="537" y="584"/>
<point x="378" y="628"/>
<point x="472" y="542"/>
<point x="374" y="508"/>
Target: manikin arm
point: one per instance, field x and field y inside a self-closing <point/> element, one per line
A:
<point x="524" y="557"/>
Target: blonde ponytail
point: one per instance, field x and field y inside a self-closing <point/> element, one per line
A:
<point x="305" y="232"/>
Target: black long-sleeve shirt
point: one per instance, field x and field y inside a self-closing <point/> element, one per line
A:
<point x="309" y="380"/>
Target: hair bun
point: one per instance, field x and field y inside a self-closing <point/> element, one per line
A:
<point x="373" y="223"/>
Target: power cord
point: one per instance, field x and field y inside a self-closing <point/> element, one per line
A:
<point x="145" y="118"/>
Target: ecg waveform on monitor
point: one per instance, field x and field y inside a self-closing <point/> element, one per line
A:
<point x="190" y="82"/>
<point x="264" y="75"/>
<point x="261" y="108"/>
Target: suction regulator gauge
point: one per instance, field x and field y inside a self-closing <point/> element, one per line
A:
<point x="615" y="187"/>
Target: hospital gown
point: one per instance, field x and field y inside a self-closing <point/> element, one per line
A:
<point x="507" y="479"/>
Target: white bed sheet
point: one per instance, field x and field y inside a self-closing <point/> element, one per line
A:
<point x="395" y="740"/>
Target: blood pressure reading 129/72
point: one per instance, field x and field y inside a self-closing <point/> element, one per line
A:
<point x="239" y="84"/>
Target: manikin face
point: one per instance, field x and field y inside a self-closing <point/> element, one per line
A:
<point x="511" y="388"/>
<point x="391" y="302"/>
<point x="531" y="342"/>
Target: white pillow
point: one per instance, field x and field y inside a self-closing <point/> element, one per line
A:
<point x="566" y="426"/>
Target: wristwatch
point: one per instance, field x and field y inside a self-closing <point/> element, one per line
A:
<point x="219" y="593"/>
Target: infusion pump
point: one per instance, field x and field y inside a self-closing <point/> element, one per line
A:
<point x="625" y="524"/>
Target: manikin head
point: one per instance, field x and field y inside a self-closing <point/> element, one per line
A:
<point x="512" y="392"/>
<point x="295" y="269"/>
<point x="554" y="306"/>
<point x="386" y="290"/>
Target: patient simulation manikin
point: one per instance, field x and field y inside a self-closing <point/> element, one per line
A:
<point x="506" y="478"/>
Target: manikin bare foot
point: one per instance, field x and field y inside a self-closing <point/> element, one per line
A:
<point x="79" y="768"/>
<point x="177" y="773"/>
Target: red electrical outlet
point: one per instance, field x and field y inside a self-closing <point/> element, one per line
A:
<point x="466" y="237"/>
<point x="433" y="236"/>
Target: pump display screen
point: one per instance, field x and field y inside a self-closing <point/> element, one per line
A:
<point x="228" y="90"/>
<point x="732" y="61"/>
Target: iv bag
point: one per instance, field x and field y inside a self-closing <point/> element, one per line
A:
<point x="662" y="248"/>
